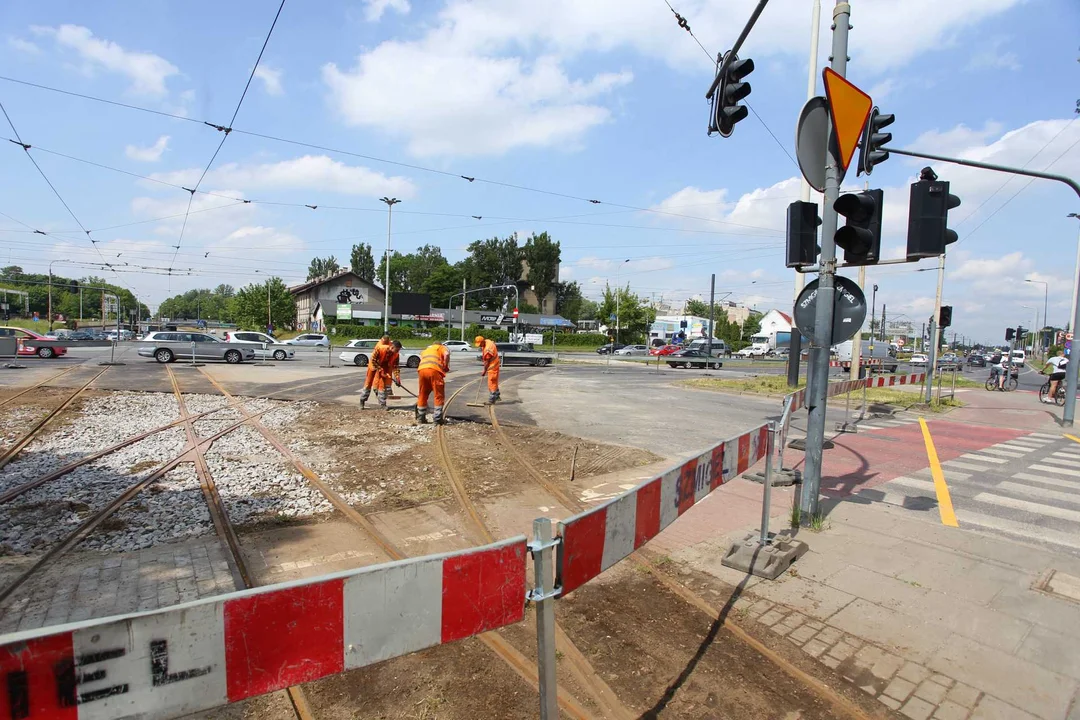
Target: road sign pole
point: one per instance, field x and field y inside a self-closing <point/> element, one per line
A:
<point x="819" y="378"/>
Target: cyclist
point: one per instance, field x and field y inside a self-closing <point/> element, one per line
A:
<point x="1059" y="363"/>
<point x="999" y="369"/>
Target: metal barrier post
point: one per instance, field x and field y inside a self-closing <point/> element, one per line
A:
<point x="192" y="353"/>
<point x="543" y="594"/>
<point x="766" y="499"/>
<point x="862" y="411"/>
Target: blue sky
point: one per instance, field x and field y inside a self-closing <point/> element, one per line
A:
<point x="599" y="100"/>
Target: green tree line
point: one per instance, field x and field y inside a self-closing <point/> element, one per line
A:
<point x="65" y="294"/>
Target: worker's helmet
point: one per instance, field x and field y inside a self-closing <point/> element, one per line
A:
<point x="397" y="344"/>
<point x="479" y="340"/>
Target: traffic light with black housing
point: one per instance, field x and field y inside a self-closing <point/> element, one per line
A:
<point x="802" y="240"/>
<point x="861" y="235"/>
<point x="1010" y="333"/>
<point x="873" y="140"/>
<point x="928" y="217"/>
<point x="945" y="319"/>
<point x="726" y="108"/>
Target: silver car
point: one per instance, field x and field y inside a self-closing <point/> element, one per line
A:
<point x="167" y="346"/>
<point x="264" y="345"/>
<point x="633" y="350"/>
<point x="310" y="340"/>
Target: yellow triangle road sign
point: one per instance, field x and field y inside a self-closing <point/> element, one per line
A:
<point x="849" y="107"/>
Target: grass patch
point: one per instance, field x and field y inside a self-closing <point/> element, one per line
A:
<point x="777" y="385"/>
<point x="763" y="384"/>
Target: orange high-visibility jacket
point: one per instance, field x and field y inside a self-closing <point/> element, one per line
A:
<point x="385" y="358"/>
<point x="490" y="355"/>
<point x="435" y="357"/>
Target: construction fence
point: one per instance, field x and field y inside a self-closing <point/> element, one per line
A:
<point x="208" y="653"/>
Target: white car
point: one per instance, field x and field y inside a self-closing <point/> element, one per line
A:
<point x="1019" y="357"/>
<point x="919" y="359"/>
<point x="457" y="346"/>
<point x="258" y="340"/>
<point x="310" y="340"/>
<point x="358" y="352"/>
<point x="633" y="350"/>
<point x="751" y="352"/>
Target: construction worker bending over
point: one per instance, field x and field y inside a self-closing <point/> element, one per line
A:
<point x="489" y="353"/>
<point x="372" y="370"/>
<point x="434" y="364"/>
<point x="385" y="360"/>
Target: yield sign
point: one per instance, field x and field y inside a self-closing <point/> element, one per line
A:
<point x="850" y="108"/>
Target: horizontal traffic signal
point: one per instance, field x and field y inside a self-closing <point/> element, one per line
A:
<point x="861" y="235"/>
<point x="928" y="217"/>
<point x="802" y="236"/>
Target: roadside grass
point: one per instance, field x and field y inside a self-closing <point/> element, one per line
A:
<point x="777" y="385"/>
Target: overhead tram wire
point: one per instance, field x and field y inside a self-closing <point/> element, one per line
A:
<point x="225" y="130"/>
<point x="397" y="163"/>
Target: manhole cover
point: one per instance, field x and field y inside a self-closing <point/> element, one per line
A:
<point x="1059" y="584"/>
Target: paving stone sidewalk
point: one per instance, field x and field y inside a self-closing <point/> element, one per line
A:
<point x="932" y="621"/>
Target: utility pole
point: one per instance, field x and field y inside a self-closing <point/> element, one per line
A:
<point x="818" y="367"/>
<point x="795" y="353"/>
<point x="712" y="309"/>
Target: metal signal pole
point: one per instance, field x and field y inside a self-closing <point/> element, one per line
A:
<point x="818" y="367"/>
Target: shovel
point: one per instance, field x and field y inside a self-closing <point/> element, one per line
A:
<point x="476" y="400"/>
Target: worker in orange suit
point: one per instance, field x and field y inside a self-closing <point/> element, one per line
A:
<point x="489" y="353"/>
<point x="385" y="360"/>
<point x="434" y="364"/>
<point x="372" y="370"/>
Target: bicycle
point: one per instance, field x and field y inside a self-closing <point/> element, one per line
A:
<point x="1059" y="396"/>
<point x="1009" y="385"/>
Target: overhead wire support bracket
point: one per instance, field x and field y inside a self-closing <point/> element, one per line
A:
<point x="735" y="49"/>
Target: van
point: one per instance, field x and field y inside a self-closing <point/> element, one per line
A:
<point x="1019" y="357"/>
<point x="718" y="348"/>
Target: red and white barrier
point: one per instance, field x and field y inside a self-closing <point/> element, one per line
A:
<point x="798" y="399"/>
<point x="890" y="380"/>
<point x="595" y="540"/>
<point x="208" y="653"/>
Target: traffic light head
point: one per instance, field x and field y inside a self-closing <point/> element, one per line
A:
<point x="873" y="140"/>
<point x="726" y="108"/>
<point x="861" y="235"/>
<point x="945" y="319"/>
<point x="1010" y="333"/>
<point x="928" y="217"/>
<point x="802" y="240"/>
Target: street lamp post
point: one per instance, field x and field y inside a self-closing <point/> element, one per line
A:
<point x="390" y="203"/>
<point x="873" y="330"/>
<point x="1046" y="297"/>
<point x="618" y="289"/>
<point x="1076" y="277"/>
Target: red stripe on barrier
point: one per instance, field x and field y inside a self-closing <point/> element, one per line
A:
<point x="763" y="443"/>
<point x="744" y="454"/>
<point x="647" y="519"/>
<point x="482" y="591"/>
<point x="39" y="679"/>
<point x="282" y="638"/>
<point x="583" y="549"/>
<point x="717" y="467"/>
<point x="687" y="476"/>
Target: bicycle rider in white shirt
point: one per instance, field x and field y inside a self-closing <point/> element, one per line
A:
<point x="1057" y="375"/>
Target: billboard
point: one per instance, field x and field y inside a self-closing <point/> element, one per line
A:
<point x="402" y="303"/>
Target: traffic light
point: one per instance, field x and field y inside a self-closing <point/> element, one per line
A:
<point x="928" y="217"/>
<point x="945" y="319"/>
<point x="861" y="235"/>
<point x="870" y="152"/>
<point x="802" y="241"/>
<point x="726" y="108"/>
<point x="1010" y="333"/>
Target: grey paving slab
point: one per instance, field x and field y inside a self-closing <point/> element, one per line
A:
<point x="911" y="637"/>
<point x="818" y="600"/>
<point x="1051" y="648"/>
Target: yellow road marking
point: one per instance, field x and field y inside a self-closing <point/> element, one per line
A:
<point x="1072" y="437"/>
<point x="944" y="500"/>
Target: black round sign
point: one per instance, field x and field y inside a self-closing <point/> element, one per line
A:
<point x="849" y="312"/>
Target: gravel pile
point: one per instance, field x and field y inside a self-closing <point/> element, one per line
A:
<point x="171" y="509"/>
<point x="255" y="482"/>
<point x="43" y="516"/>
<point x="102" y="421"/>
<point x="16" y="421"/>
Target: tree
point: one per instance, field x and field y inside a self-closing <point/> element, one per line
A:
<point x="569" y="301"/>
<point x="362" y="262"/>
<point x="697" y="308"/>
<point x="11" y="271"/>
<point x="249" y="305"/>
<point x="542" y="255"/>
<point x="323" y="267"/>
<point x="400" y="267"/>
<point x="443" y="283"/>
<point x="494" y="262"/>
<point x="751" y="327"/>
<point x="635" y="317"/>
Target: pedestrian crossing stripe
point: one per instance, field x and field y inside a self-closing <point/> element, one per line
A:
<point x="1044" y="435"/>
<point x="965" y="465"/>
<point x="984" y="458"/>
<point x="1058" y="470"/>
<point x="1034" y="491"/>
<point x="1068" y="462"/>
<point x="1028" y="506"/>
<point x="1025" y="531"/>
<point x="1049" y="481"/>
<point x="1003" y="453"/>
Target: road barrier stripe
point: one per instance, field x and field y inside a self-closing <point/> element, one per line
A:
<point x="798" y="398"/>
<point x="595" y="540"/>
<point x="212" y="652"/>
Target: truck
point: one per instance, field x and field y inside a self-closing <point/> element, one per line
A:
<point x="881" y="358"/>
<point x="762" y="345"/>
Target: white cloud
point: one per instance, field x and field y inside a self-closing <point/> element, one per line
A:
<point x="448" y="102"/>
<point x="989" y="56"/>
<point x="310" y="172"/>
<point x="374" y="9"/>
<point x="148" y="154"/>
<point x="24" y="46"/>
<point x="268" y="239"/>
<point x="271" y="80"/>
<point x="146" y="71"/>
<point x="956" y="139"/>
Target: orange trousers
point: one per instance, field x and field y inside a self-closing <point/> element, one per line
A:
<point x="493" y="378"/>
<point x="369" y="379"/>
<point x="431" y="379"/>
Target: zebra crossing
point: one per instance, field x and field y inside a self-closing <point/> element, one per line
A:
<point x="884" y="423"/>
<point x="1026" y="488"/>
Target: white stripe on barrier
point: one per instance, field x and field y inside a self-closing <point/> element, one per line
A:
<point x="211" y="652"/>
<point x="595" y="540"/>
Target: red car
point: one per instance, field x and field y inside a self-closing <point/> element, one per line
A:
<point x="665" y="350"/>
<point x="26" y="343"/>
